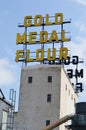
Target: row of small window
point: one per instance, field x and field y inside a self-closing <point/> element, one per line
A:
<point x="49" y="98"/>
<point x="49" y="80"/>
<point x="30" y="79"/>
<point x="68" y="92"/>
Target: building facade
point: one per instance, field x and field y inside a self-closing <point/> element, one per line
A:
<point x="4" y="110"/>
<point x="46" y="95"/>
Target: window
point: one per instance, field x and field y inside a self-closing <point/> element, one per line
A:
<point x="71" y="97"/>
<point x="47" y="122"/>
<point x="49" y="98"/>
<point x="69" y="92"/>
<point x="30" y="79"/>
<point x="66" y="87"/>
<point x="49" y="78"/>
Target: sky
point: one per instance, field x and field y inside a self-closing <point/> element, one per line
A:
<point x="13" y="12"/>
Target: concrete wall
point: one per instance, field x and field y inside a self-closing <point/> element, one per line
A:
<point x="34" y="109"/>
<point x="68" y="97"/>
<point x="3" y="107"/>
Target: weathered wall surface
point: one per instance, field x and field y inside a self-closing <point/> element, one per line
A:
<point x="34" y="109"/>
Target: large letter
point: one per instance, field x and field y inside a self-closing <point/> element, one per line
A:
<point x="40" y="55"/>
<point x="32" y="37"/>
<point x="63" y="53"/>
<point x="20" y="39"/>
<point x="50" y="58"/>
<point x="76" y="60"/>
<point x="27" y="21"/>
<point x="79" y="87"/>
<point x="28" y="59"/>
<point x="38" y="20"/>
<point x="43" y="36"/>
<point x="58" y="18"/>
<point x="53" y="36"/>
<point x="19" y="54"/>
<point x="47" y="20"/>
<point x="70" y="73"/>
<point x="79" y="74"/>
<point x="63" y="37"/>
<point x="67" y="62"/>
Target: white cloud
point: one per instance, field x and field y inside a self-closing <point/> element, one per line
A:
<point x="7" y="72"/>
<point x="83" y="2"/>
<point x="78" y="47"/>
<point x="81" y="26"/>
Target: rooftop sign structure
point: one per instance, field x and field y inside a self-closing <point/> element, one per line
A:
<point x="43" y="41"/>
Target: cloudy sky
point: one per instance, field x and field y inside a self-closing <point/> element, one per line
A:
<point x="13" y="12"/>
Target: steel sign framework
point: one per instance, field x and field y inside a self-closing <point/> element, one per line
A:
<point x="43" y="41"/>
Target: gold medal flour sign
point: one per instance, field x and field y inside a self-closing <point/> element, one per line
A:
<point x="42" y="45"/>
<point x="44" y="38"/>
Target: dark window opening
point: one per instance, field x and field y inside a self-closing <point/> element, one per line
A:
<point x="47" y="122"/>
<point x="66" y="87"/>
<point x="72" y="97"/>
<point x="49" y="78"/>
<point x="49" y="98"/>
<point x="30" y="79"/>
